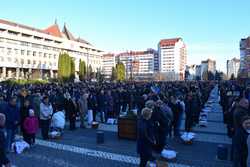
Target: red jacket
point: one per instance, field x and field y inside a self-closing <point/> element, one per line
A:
<point x="30" y="125"/>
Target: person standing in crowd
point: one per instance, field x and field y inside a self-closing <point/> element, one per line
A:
<point x="3" y="103"/>
<point x="46" y="112"/>
<point x="146" y="138"/>
<point x="240" y="111"/>
<point x="83" y="109"/>
<point x="241" y="139"/>
<point x="161" y="122"/>
<point x="189" y="112"/>
<point x="24" y="112"/>
<point x="102" y="105"/>
<point x="92" y="104"/>
<point x="3" y="158"/>
<point x="117" y="103"/>
<point x="30" y="126"/>
<point x="71" y="109"/>
<point x="110" y="105"/>
<point x="176" y="109"/>
<point x="12" y="120"/>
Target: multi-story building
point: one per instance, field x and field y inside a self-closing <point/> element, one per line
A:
<point x="198" y="72"/>
<point x="30" y="52"/>
<point x="233" y="67"/>
<point x="208" y="66"/>
<point x="138" y="64"/>
<point x="245" y="57"/>
<point x="172" y="58"/>
<point x="190" y="72"/>
<point x="108" y="62"/>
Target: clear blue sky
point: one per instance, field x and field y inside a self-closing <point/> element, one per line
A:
<point x="210" y="28"/>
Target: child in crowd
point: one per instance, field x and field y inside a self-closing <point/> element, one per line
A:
<point x="3" y="159"/>
<point x="30" y="126"/>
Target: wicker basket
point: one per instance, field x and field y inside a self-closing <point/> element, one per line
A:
<point x="95" y="125"/>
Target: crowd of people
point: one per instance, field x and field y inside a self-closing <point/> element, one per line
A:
<point x="235" y="100"/>
<point x="160" y="108"/>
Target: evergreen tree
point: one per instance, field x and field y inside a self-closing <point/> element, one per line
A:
<point x="72" y="68"/>
<point x="82" y="70"/>
<point x="120" y="68"/>
<point x="90" y="72"/>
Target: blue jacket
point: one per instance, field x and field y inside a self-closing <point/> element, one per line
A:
<point x="146" y="138"/>
<point x="12" y="115"/>
<point x="3" y="159"/>
<point x="3" y="105"/>
<point x="240" y="148"/>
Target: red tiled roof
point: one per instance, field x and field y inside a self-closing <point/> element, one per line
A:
<point x="54" y="30"/>
<point x="168" y="42"/>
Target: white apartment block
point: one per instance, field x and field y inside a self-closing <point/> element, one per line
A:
<point x="108" y="62"/>
<point x="139" y="64"/>
<point x="233" y="67"/>
<point x="172" y="58"/>
<point x="29" y="52"/>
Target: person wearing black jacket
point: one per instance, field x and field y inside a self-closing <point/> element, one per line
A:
<point x="189" y="112"/>
<point x="240" y="147"/>
<point x="71" y="108"/>
<point x="92" y="104"/>
<point x="146" y="138"/>
<point x="160" y="121"/>
<point x="3" y="158"/>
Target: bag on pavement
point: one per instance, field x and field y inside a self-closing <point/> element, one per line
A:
<point x="168" y="154"/>
<point x="20" y="146"/>
<point x="187" y="136"/>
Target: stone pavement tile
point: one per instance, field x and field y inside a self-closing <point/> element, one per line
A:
<point x="212" y="138"/>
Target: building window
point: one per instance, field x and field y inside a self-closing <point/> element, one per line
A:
<point x="34" y="53"/>
<point x="16" y="51"/>
<point x="34" y="62"/>
<point x="40" y="54"/>
<point x="54" y="56"/>
<point x="28" y="61"/>
<point x="9" y="59"/>
<point x="2" y="49"/>
<point x="2" y="58"/>
<point x="8" y="51"/>
<point x="45" y="55"/>
<point x="22" y="52"/>
<point x="28" y="52"/>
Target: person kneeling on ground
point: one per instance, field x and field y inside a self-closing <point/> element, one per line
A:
<point x="3" y="159"/>
<point x="146" y="139"/>
<point x="30" y="126"/>
<point x="58" y="121"/>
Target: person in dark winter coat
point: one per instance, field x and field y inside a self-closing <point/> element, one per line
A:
<point x="102" y="105"/>
<point x="240" y="111"/>
<point x="189" y="112"/>
<point x="71" y="108"/>
<point x="176" y="109"/>
<point x="146" y="138"/>
<point x="3" y="104"/>
<point x="110" y="105"/>
<point x="24" y="112"/>
<point x="92" y="104"/>
<point x="161" y="125"/>
<point x="240" y="143"/>
<point x="3" y="158"/>
<point x="12" y="120"/>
